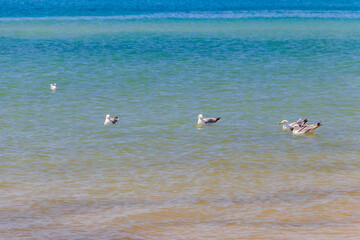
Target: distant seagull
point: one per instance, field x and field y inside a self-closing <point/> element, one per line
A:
<point x="109" y="121"/>
<point x="286" y="126"/>
<point x="206" y="121"/>
<point x="297" y="130"/>
<point x="53" y="86"/>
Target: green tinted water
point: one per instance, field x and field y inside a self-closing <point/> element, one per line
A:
<point x="156" y="175"/>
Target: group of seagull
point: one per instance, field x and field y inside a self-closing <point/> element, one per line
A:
<point x="298" y="128"/>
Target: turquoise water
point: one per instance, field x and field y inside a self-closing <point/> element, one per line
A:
<point x="157" y="175"/>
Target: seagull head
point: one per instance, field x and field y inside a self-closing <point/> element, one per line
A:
<point x="108" y="116"/>
<point x="200" y="116"/>
<point x="283" y="122"/>
<point x="295" y="127"/>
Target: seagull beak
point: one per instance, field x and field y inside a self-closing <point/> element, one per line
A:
<point x="291" y="128"/>
<point x="279" y="123"/>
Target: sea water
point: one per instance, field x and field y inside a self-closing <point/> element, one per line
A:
<point x="156" y="174"/>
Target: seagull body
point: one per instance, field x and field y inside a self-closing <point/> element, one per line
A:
<point x="287" y="127"/>
<point x="53" y="86"/>
<point x="109" y="121"/>
<point x="206" y="121"/>
<point x="297" y="130"/>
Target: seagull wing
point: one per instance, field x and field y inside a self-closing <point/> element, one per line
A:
<point x="299" y="122"/>
<point x="211" y="120"/>
<point x="114" y="119"/>
<point x="309" y="128"/>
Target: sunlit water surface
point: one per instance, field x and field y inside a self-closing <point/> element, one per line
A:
<point x="156" y="174"/>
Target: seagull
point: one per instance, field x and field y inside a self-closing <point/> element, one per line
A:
<point x="205" y="121"/>
<point x="109" y="120"/>
<point x="297" y="130"/>
<point x="53" y="86"/>
<point x="286" y="126"/>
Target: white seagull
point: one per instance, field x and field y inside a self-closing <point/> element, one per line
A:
<point x="287" y="127"/>
<point x="109" y="121"/>
<point x="206" y="121"/>
<point x="297" y="130"/>
<point x="53" y="86"/>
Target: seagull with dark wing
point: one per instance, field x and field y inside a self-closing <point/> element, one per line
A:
<point x="53" y="86"/>
<point x="287" y="127"/>
<point x="297" y="130"/>
<point x="206" y="121"/>
<point x="109" y="121"/>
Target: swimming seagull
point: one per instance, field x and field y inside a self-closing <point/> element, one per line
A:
<point x="286" y="126"/>
<point x="109" y="120"/>
<point x="205" y="121"/>
<point x="297" y="130"/>
<point x="53" y="86"/>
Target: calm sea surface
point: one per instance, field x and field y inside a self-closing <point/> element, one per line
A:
<point x="156" y="174"/>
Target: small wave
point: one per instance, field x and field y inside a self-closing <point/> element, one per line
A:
<point x="200" y="15"/>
